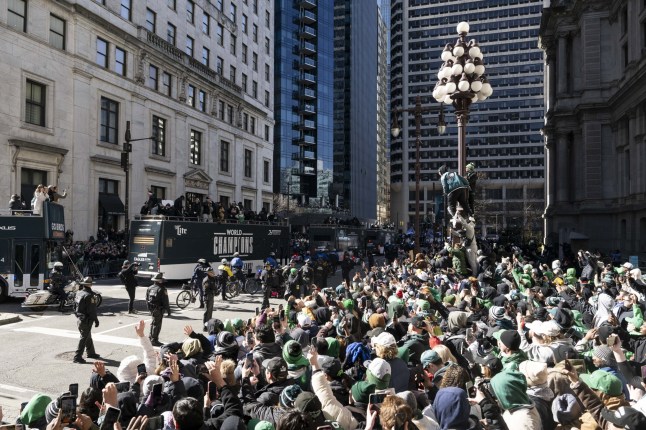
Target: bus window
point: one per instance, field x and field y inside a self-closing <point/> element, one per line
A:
<point x="19" y="264"/>
<point x="35" y="265"/>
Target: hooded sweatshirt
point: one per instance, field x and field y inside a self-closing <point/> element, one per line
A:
<point x="510" y="387"/>
<point x="452" y="409"/>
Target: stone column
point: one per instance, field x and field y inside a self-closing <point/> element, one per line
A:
<point x="561" y="173"/>
<point x="561" y="63"/>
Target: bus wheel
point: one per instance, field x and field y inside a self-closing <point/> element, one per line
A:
<point x="4" y="291"/>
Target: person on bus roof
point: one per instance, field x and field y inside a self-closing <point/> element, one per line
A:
<point x="198" y="276"/>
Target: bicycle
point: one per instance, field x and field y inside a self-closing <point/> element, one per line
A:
<point x="187" y="296"/>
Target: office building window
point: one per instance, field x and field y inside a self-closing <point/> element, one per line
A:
<point x="120" y="61"/>
<point x="245" y="121"/>
<point x="56" y="32"/>
<point x="230" y="114"/>
<point x="267" y="98"/>
<point x="101" y="52"/>
<point x="190" y="11"/>
<point x="219" y="65"/>
<point x="151" y="20"/>
<point x="232" y="74"/>
<point x="170" y="34"/>
<point x="17" y="15"/>
<point x="254" y="32"/>
<point x="221" y="110"/>
<point x="252" y="125"/>
<point x="196" y="148"/>
<point x="267" y="45"/>
<point x="158" y="192"/>
<point x="205" y="56"/>
<point x="189" y="46"/>
<point x="267" y="19"/>
<point x="108" y="186"/>
<point x="190" y="99"/>
<point x="224" y="156"/>
<point x="35" y="103"/>
<point x="219" y="37"/>
<point x="201" y="101"/>
<point x="247" y="204"/>
<point x="244" y="82"/>
<point x="244" y="53"/>
<point x="243" y="23"/>
<point x="206" y="24"/>
<point x="254" y="61"/>
<point x="255" y="6"/>
<point x="248" y="168"/>
<point x="254" y="89"/>
<point x="266" y="133"/>
<point x="159" y="133"/>
<point x="109" y="121"/>
<point x="234" y="42"/>
<point x="126" y="9"/>
<point x="232" y="12"/>
<point x="166" y="83"/>
<point x="172" y="4"/>
<point x="265" y="171"/>
<point x="267" y="72"/>
<point x="153" y="77"/>
<point x="218" y="4"/>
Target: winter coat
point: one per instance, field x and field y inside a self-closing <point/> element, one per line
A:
<point x="524" y="418"/>
<point x="593" y="419"/>
<point x="264" y="351"/>
<point x="400" y="374"/>
<point x="552" y="353"/>
<point x="38" y="200"/>
<point x="332" y="409"/>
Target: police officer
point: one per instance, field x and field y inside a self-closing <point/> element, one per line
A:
<point x="224" y="274"/>
<point x="157" y="300"/>
<point x="85" y="302"/>
<point x="209" y="285"/>
<point x="127" y="276"/>
<point x="57" y="284"/>
<point x="237" y="264"/>
<point x="271" y="260"/>
<point x="269" y="280"/>
<point x="307" y="276"/>
<point x="198" y="276"/>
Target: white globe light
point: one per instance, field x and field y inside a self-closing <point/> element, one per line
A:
<point x="480" y="56"/>
<point x="436" y="92"/>
<point x="474" y="51"/>
<point x="446" y="72"/>
<point x="463" y="85"/>
<point x="440" y="74"/>
<point x="446" y="55"/>
<point x="486" y="89"/>
<point x="476" y="86"/>
<point x="479" y="70"/>
<point x="439" y="99"/>
<point x="458" y="51"/>
<point x="474" y="98"/>
<point x="469" y="68"/>
<point x="448" y="99"/>
<point x="450" y="88"/>
<point x="456" y="70"/>
<point x="481" y="96"/>
<point x="441" y="90"/>
<point x="463" y="27"/>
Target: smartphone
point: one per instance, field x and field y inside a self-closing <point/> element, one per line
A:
<point x="377" y="398"/>
<point x="281" y="315"/>
<point x="68" y="409"/>
<point x="74" y="390"/>
<point x="248" y="360"/>
<point x="249" y="322"/>
<point x="612" y="339"/>
<point x="249" y="337"/>
<point x="123" y="387"/>
<point x="111" y="416"/>
<point x="276" y="319"/>
<point x="471" y="390"/>
<point x="141" y="369"/>
<point x="157" y="390"/>
<point x="155" y="423"/>
<point x="213" y="391"/>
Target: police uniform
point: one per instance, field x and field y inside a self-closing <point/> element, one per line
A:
<point x="209" y="286"/>
<point x="157" y="300"/>
<point x="86" y="316"/>
<point x="269" y="281"/>
<point x="198" y="276"/>
<point x="127" y="276"/>
<point x="57" y="286"/>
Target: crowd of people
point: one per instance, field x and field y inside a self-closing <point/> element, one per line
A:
<point x="417" y="343"/>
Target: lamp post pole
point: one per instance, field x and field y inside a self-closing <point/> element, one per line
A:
<point x="417" y="111"/>
<point x="125" y="164"/>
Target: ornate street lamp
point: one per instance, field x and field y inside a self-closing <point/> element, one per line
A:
<point x="417" y="111"/>
<point x="461" y="81"/>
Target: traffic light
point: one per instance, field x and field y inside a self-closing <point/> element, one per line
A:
<point x="125" y="160"/>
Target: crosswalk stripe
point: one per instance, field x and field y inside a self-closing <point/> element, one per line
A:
<point x="73" y="334"/>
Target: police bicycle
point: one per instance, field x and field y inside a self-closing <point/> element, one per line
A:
<point x="190" y="292"/>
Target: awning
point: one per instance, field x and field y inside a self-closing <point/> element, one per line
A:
<point x="112" y="204"/>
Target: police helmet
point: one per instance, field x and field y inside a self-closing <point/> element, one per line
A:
<point x="224" y="261"/>
<point x="202" y="261"/>
<point x="236" y="254"/>
<point x="58" y="265"/>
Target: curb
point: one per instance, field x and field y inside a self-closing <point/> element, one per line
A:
<point x="9" y="318"/>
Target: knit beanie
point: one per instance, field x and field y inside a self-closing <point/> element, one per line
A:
<point x="332" y="347"/>
<point x="348" y="304"/>
<point x="604" y="353"/>
<point x="289" y="395"/>
<point x="361" y="391"/>
<point x="566" y="409"/>
<point x="191" y="347"/>
<point x="127" y="370"/>
<point x="293" y="355"/>
<point x="35" y="409"/>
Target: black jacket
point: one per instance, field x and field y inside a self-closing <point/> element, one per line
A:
<point x="86" y="305"/>
<point x="127" y="276"/>
<point x="157" y="298"/>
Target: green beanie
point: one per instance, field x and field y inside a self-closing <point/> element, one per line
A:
<point x="511" y="389"/>
<point x="348" y="304"/>
<point x="293" y="355"/>
<point x="332" y="347"/>
<point x="35" y="409"/>
<point x="361" y="391"/>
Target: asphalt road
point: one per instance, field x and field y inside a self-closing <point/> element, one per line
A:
<point x="36" y="353"/>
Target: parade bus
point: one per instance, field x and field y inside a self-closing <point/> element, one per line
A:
<point x="173" y="245"/>
<point x="29" y="245"/>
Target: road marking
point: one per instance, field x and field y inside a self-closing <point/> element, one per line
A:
<point x="31" y="319"/>
<point x="74" y="334"/>
<point x="5" y="387"/>
<point x="122" y="326"/>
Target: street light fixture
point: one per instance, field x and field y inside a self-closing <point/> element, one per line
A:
<point x="125" y="164"/>
<point x="461" y="81"/>
<point x="417" y="111"/>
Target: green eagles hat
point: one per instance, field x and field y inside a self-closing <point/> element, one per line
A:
<point x="603" y="381"/>
<point x="362" y="390"/>
<point x="35" y="409"/>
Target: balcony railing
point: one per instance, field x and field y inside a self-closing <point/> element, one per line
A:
<point x="308" y="63"/>
<point x="308" y="48"/>
<point x="307" y="4"/>
<point x="308" y="17"/>
<point x="307" y="32"/>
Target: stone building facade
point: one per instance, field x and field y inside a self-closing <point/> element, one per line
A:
<point x="197" y="75"/>
<point x="595" y="126"/>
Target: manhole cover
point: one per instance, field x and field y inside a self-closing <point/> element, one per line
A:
<point x="66" y="356"/>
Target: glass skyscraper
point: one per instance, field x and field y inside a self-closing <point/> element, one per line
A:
<point x="503" y="134"/>
<point x="303" y="103"/>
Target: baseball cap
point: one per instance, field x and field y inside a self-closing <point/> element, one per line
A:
<point x="428" y="357"/>
<point x="603" y="381"/>
<point x="310" y="404"/>
<point x="378" y="373"/>
<point x="330" y="365"/>
<point x="418" y="322"/>
<point x="384" y="339"/>
<point x="491" y="361"/>
<point x="303" y="320"/>
<point x="362" y="390"/>
<point x="626" y="417"/>
<point x="276" y="366"/>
